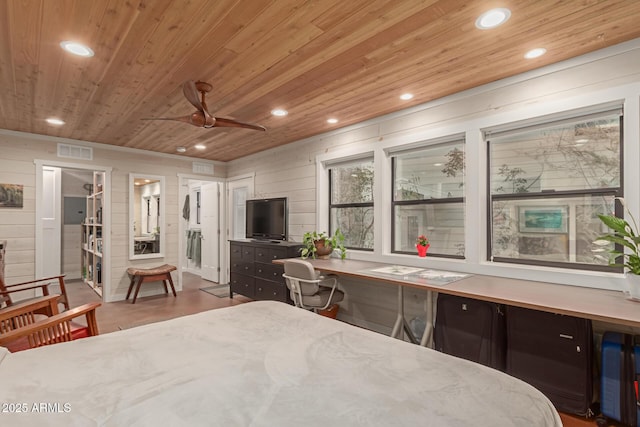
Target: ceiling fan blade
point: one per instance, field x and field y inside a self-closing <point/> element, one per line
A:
<point x="222" y="122"/>
<point x="184" y="119"/>
<point x="193" y="96"/>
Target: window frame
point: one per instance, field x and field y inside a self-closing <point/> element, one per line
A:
<point x="424" y="202"/>
<point x="611" y="191"/>
<point x="332" y="205"/>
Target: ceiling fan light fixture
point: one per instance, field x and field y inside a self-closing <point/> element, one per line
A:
<point x="181" y="149"/>
<point x="493" y="18"/>
<point x="279" y="112"/>
<point x="535" y="53"/>
<point x="54" y="121"/>
<point x="77" y="48"/>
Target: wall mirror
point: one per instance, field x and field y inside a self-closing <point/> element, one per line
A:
<point x="146" y="216"/>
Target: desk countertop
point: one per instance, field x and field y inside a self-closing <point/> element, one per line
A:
<point x="596" y="304"/>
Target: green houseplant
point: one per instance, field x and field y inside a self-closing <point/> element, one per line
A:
<point x="626" y="235"/>
<point x="320" y="244"/>
<point x="623" y="234"/>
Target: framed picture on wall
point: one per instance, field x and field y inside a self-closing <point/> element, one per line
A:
<point x="542" y="219"/>
<point x="11" y="195"/>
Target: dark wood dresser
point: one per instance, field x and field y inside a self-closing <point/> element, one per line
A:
<point x="253" y="274"/>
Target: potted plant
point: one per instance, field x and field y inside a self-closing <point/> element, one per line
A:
<point x="320" y="244"/>
<point x="627" y="236"/>
<point x="422" y="244"/>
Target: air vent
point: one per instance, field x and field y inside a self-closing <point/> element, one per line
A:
<point x="204" y="168"/>
<point x="75" y="152"/>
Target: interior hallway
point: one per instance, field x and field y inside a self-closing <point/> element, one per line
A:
<point x="119" y="315"/>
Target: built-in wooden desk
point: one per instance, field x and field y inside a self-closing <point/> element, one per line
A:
<point x="596" y="304"/>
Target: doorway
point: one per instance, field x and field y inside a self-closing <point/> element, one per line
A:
<point x="61" y="201"/>
<point x="200" y="228"/>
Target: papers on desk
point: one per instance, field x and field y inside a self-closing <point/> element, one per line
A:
<point x="437" y="274"/>
<point x="399" y="270"/>
<point x="441" y="276"/>
<point x="419" y="275"/>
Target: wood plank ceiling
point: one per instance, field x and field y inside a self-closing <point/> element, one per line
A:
<point x="317" y="59"/>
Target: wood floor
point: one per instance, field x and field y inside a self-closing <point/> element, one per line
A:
<point x="119" y="315"/>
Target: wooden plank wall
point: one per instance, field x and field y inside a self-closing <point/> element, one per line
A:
<point x="17" y="226"/>
<point x="290" y="170"/>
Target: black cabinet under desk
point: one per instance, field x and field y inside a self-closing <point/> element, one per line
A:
<point x="252" y="273"/>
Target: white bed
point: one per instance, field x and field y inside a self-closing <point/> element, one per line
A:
<point x="258" y="364"/>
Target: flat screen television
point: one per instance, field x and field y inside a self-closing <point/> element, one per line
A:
<point x="267" y="219"/>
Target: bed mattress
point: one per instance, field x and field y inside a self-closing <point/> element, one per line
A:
<point x="258" y="364"/>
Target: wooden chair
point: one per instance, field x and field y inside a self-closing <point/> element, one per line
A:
<point x="22" y="328"/>
<point x="43" y="284"/>
<point x="26" y="313"/>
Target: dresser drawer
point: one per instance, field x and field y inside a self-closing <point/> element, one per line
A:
<point x="235" y="252"/>
<point x="271" y="272"/>
<point x="241" y="266"/>
<point x="248" y="253"/>
<point x="241" y="284"/>
<point x="268" y="290"/>
<point x="269" y="254"/>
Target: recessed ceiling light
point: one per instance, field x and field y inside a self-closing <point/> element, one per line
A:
<point x="406" y="96"/>
<point x="279" y="112"/>
<point x="181" y="149"/>
<point x="534" y="53"/>
<point x="437" y="164"/>
<point x="54" y="121"/>
<point x="332" y="121"/>
<point x="580" y="142"/>
<point x="200" y="146"/>
<point x="493" y="18"/>
<point x="77" y="48"/>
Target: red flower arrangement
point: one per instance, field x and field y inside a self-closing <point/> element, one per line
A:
<point x="422" y="240"/>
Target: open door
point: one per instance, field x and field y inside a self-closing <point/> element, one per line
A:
<point x="210" y="226"/>
<point x="51" y="223"/>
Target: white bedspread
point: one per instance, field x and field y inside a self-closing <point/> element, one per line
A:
<point x="258" y="364"/>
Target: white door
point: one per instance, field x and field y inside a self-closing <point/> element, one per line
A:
<point x="210" y="227"/>
<point x="49" y="252"/>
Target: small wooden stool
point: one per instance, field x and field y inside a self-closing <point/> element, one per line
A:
<point x="162" y="272"/>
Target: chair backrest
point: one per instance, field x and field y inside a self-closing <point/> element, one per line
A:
<point x="56" y="283"/>
<point x="20" y="329"/>
<point x="299" y="274"/>
<point x="26" y="313"/>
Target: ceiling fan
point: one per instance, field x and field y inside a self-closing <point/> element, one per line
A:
<point x="202" y="117"/>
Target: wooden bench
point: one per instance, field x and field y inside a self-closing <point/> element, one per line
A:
<point x="155" y="274"/>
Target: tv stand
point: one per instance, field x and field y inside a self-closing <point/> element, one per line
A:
<point x="252" y="272"/>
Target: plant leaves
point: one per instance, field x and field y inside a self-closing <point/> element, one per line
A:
<point x="615" y="223"/>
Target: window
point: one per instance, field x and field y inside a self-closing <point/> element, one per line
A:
<point x="548" y="183"/>
<point x="351" y="203"/>
<point x="428" y="198"/>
